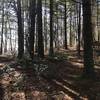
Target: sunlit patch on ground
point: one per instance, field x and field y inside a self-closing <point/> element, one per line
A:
<point x="18" y="96"/>
<point x="1" y="65"/>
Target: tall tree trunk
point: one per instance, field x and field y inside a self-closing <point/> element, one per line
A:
<point x="51" y="51"/>
<point x="10" y="39"/>
<point x="88" y="40"/>
<point x="65" y="26"/>
<point x="61" y="34"/>
<point x="5" y="48"/>
<point x="79" y="29"/>
<point x="57" y="30"/>
<point x="20" y="31"/>
<point x="40" y="33"/>
<point x="45" y="27"/>
<point x="98" y="23"/>
<point x="70" y="28"/>
<point x="2" y="29"/>
<point x="32" y="27"/>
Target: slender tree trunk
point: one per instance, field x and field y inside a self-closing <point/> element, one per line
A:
<point x="65" y="26"/>
<point x="57" y="30"/>
<point x="36" y="38"/>
<point x="32" y="27"/>
<point x="51" y="51"/>
<point x="2" y="29"/>
<point x="10" y="40"/>
<point x="88" y="40"/>
<point x="40" y="33"/>
<point x="45" y="27"/>
<point x="73" y="39"/>
<point x="79" y="29"/>
<point x="5" y="49"/>
<point x="61" y="34"/>
<point x="98" y="23"/>
<point x="20" y="31"/>
<point x="70" y="28"/>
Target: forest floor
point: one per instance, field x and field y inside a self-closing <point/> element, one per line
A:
<point x="52" y="78"/>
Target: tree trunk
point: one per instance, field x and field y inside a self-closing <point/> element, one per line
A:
<point x="32" y="27"/>
<point x="70" y="28"/>
<point x="45" y="27"/>
<point x="65" y="26"/>
<point x="2" y="29"/>
<point x="20" y="31"/>
<point x="40" y="33"/>
<point x="51" y="51"/>
<point x="79" y="28"/>
<point x="88" y="40"/>
<point x="5" y="48"/>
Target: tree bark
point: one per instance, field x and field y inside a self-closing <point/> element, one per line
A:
<point x="79" y="29"/>
<point x="51" y="51"/>
<point x="65" y="26"/>
<point x="32" y="27"/>
<point x="40" y="33"/>
<point x="70" y="28"/>
<point x="20" y="31"/>
<point x="88" y="40"/>
<point x="2" y="29"/>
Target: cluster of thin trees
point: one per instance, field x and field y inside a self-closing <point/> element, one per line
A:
<point x="46" y="25"/>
